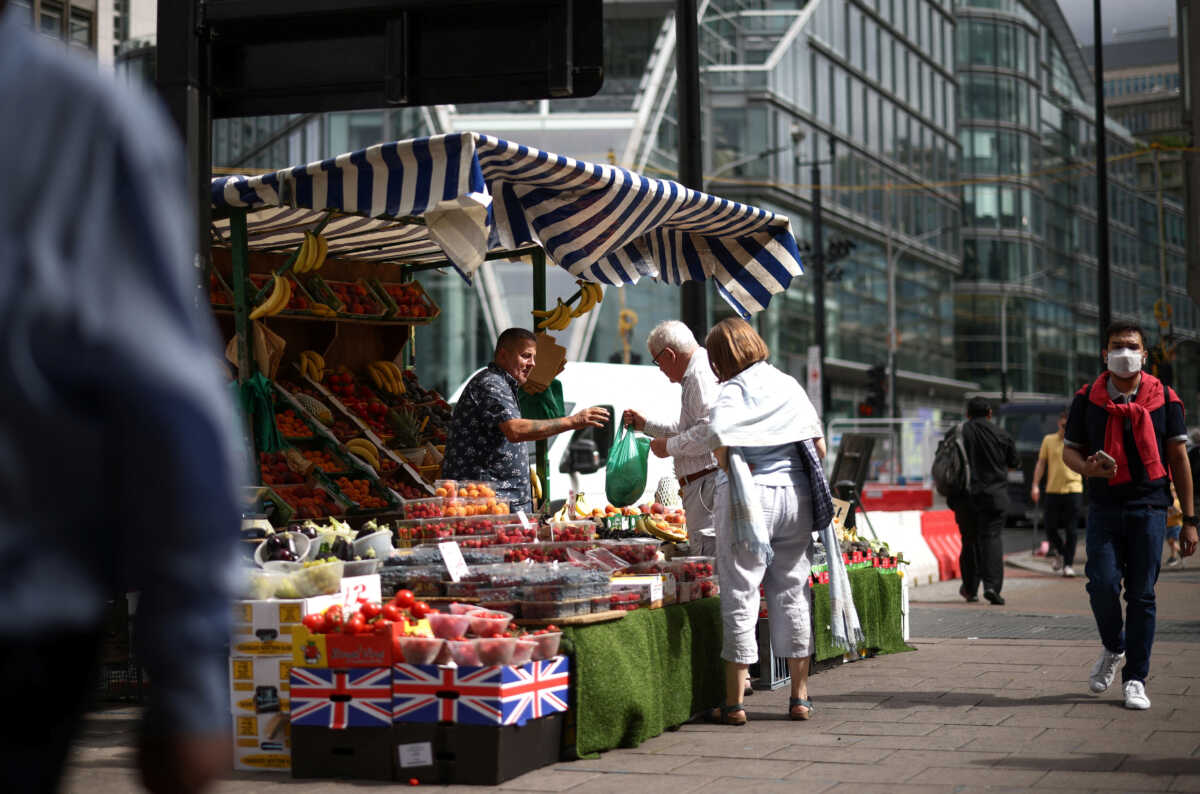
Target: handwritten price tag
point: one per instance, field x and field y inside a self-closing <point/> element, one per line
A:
<point x="455" y="564"/>
<point x="523" y="519"/>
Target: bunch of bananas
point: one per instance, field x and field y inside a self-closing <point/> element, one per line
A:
<point x="365" y="450"/>
<point x="535" y="483"/>
<point x="386" y="376"/>
<point x="558" y="318"/>
<point x="312" y="253"/>
<point x="312" y="365"/>
<point x="281" y="293"/>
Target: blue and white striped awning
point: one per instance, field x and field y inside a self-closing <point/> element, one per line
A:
<point x="474" y="194"/>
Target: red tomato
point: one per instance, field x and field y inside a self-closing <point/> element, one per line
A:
<point x="355" y="625"/>
<point x="404" y="599"/>
<point x="370" y="611"/>
<point x="391" y="612"/>
<point x="383" y="626"/>
<point x="314" y="623"/>
<point x="420" y="610"/>
<point x="333" y="617"/>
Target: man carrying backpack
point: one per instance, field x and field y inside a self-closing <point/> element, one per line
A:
<point x="979" y="511"/>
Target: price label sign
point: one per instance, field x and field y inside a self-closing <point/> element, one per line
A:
<point x="840" y="509"/>
<point x="453" y="557"/>
<point x="418" y="754"/>
<point x="524" y="520"/>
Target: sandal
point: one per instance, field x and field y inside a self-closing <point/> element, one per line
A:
<point x="795" y="703"/>
<point x="727" y="715"/>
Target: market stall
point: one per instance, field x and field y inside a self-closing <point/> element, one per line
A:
<point x="316" y="282"/>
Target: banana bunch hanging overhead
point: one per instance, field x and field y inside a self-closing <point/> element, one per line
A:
<point x="281" y="293"/>
<point x="312" y="365"/>
<point x="312" y="254"/>
<point x="558" y="318"/>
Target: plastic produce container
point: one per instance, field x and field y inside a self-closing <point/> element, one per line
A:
<point x="523" y="652"/>
<point x="495" y="650"/>
<point x="547" y="644"/>
<point x="420" y="650"/>
<point x="448" y="625"/>
<point x="489" y="622"/>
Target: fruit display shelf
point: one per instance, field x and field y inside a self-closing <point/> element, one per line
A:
<point x="407" y="302"/>
<point x="350" y="300"/>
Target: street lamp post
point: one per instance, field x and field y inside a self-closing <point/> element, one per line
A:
<point x="892" y="257"/>
<point x="818" y="261"/>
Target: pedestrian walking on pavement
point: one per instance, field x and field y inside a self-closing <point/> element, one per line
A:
<point x="980" y="511"/>
<point x="121" y="448"/>
<point x="1063" y="498"/>
<point x="1120" y="431"/>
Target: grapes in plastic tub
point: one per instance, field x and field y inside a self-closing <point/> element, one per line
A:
<point x="420" y="650"/>
<point x="547" y="644"/>
<point x="448" y="626"/>
<point x="320" y="579"/>
<point x="495" y="650"/>
<point x="463" y="652"/>
<point x="523" y="654"/>
<point x="489" y="622"/>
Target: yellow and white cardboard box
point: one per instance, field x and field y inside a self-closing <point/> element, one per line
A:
<point x="264" y="628"/>
<point x="262" y="742"/>
<point x="259" y="684"/>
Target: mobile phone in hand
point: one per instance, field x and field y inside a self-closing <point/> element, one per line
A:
<point x="1108" y="460"/>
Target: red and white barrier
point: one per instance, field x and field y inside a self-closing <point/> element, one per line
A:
<point x="929" y="540"/>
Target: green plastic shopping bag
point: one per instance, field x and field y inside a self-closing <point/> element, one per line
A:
<point x="625" y="474"/>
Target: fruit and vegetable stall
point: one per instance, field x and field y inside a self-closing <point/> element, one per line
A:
<point x="411" y="623"/>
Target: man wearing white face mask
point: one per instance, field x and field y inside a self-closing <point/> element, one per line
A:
<point x="1121" y="431"/>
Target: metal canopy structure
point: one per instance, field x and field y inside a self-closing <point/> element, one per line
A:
<point x="462" y="198"/>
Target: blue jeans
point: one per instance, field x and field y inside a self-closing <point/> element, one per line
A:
<point x="1125" y="544"/>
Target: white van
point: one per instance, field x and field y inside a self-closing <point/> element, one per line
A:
<point x="616" y="387"/>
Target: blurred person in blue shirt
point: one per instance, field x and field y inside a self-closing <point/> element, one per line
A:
<point x="119" y="443"/>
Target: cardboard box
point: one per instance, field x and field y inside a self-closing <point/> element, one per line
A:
<point x="259" y="684"/>
<point x="475" y="754"/>
<point x="497" y="695"/>
<point x="264" y="628"/>
<point x="262" y="742"/>
<point x="350" y="650"/>
<point x="359" y="697"/>
<point x="362" y="753"/>
<point x="648" y="586"/>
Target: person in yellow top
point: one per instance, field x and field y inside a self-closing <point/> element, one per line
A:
<point x="1064" y="498"/>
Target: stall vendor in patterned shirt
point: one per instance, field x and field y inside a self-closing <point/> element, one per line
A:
<point x="487" y="433"/>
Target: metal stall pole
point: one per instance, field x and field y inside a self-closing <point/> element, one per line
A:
<point x="241" y="311"/>
<point x="538" y="256"/>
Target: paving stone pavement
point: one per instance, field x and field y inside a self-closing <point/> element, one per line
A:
<point x="1008" y="711"/>
<point x="955" y="715"/>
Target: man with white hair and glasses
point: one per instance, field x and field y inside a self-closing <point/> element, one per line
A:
<point x="674" y="350"/>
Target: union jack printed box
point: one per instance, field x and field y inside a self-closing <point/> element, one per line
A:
<point x="495" y="695"/>
<point x="359" y="697"/>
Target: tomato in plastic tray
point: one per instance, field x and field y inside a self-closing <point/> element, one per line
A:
<point x="542" y="610"/>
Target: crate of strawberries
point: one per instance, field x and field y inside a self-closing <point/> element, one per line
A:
<point x="352" y="300"/>
<point x="407" y="301"/>
<point x="360" y="401"/>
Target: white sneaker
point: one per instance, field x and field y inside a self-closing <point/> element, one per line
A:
<point x="1104" y="670"/>
<point x="1068" y="571"/>
<point x="1135" y="695"/>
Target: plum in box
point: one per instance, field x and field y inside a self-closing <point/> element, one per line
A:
<point x="496" y="695"/>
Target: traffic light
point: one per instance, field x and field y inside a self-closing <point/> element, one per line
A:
<point x="838" y="249"/>
<point x="875" y="405"/>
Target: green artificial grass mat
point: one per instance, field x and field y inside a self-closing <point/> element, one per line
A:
<point x="656" y="668"/>
<point x="877" y="599"/>
<point x="636" y="677"/>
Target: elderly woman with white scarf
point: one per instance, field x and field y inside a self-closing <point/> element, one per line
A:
<point x="771" y="495"/>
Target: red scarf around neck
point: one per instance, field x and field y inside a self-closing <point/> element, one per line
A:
<point x="1151" y="395"/>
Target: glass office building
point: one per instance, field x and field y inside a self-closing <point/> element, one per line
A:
<point x="950" y="138"/>
<point x="1025" y="307"/>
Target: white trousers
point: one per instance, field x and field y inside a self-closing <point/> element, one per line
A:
<point x="787" y="511"/>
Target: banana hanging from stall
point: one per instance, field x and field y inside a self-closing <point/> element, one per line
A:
<point x="281" y="293"/>
<point x="322" y="252"/>
<point x="387" y="376"/>
<point x="535" y="482"/>
<point x="590" y="295"/>
<point x="304" y="256"/>
<point x="555" y="319"/>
